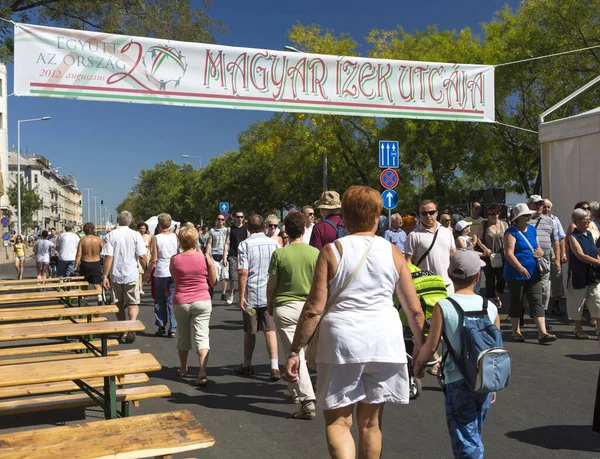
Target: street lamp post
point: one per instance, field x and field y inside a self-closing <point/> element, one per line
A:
<point x="45" y="118"/>
<point x="199" y="158"/>
<point x="291" y="49"/>
<point x="89" y="219"/>
<point x="95" y="212"/>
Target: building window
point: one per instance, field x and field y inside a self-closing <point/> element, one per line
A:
<point x="1" y="94"/>
<point x="1" y="115"/>
<point x="35" y="178"/>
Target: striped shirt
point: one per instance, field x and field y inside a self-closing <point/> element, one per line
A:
<point x="546" y="232"/>
<point x="254" y="255"/>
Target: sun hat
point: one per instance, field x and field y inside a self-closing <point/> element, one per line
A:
<point x="329" y="200"/>
<point x="461" y="225"/>
<point x="465" y="263"/>
<point x="534" y="199"/>
<point x="519" y="210"/>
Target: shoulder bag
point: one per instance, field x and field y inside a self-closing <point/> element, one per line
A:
<point x="543" y="264"/>
<point x="429" y="249"/>
<point x="310" y="351"/>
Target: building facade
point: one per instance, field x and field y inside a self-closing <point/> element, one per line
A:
<point x="61" y="199"/>
<point x="4" y="181"/>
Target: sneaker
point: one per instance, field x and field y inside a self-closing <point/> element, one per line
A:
<point x="242" y="370"/>
<point x="224" y="296"/>
<point x="306" y="411"/>
<point x="230" y="299"/>
<point x="130" y="338"/>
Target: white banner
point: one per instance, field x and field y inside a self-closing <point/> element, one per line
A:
<point x="74" y="64"/>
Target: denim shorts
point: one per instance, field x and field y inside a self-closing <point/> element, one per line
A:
<point x="465" y="412"/>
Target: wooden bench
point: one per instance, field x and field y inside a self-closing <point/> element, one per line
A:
<point x="68" y="386"/>
<point x="36" y="314"/>
<point x="56" y="322"/>
<point x="48" y="280"/>
<point x="59" y="286"/>
<point x="61" y="357"/>
<point x="65" y="296"/>
<point x="45" y="348"/>
<point x="157" y="435"/>
<point x="80" y="400"/>
<point x="32" y="307"/>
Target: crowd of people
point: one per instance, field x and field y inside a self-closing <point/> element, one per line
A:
<point x="325" y="287"/>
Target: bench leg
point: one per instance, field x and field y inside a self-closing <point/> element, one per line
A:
<point x="110" y="398"/>
<point x="125" y="409"/>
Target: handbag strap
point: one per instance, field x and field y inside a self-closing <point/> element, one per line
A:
<point x="335" y="296"/>
<point x="429" y="249"/>
<point x="527" y="240"/>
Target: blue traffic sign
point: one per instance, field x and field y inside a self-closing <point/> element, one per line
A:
<point x="6" y="236"/>
<point x="388" y="154"/>
<point x="390" y="199"/>
<point x="223" y="207"/>
<point x="4" y="221"/>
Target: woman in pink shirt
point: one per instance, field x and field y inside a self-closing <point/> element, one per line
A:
<point x="193" y="273"/>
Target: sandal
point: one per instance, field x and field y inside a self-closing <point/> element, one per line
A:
<point x="547" y="339"/>
<point x="172" y="335"/>
<point x="518" y="338"/>
<point x="181" y="374"/>
<point x="245" y="371"/>
<point x="201" y="381"/>
<point x="434" y="370"/>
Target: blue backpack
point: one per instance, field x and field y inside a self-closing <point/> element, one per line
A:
<point x="484" y="363"/>
<point x="340" y="228"/>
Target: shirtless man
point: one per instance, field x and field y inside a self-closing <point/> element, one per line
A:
<point x="88" y="253"/>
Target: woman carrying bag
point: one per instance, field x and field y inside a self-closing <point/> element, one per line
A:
<point x="491" y="243"/>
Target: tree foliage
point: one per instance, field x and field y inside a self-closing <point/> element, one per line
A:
<point x="173" y="19"/>
<point x="30" y="203"/>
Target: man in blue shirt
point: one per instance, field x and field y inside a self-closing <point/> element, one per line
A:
<point x="395" y="234"/>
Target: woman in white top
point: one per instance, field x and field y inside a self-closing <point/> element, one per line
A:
<point x="41" y="250"/>
<point x="464" y="241"/>
<point x="163" y="246"/>
<point x="361" y="359"/>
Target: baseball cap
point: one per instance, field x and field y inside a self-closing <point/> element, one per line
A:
<point x="461" y="225"/>
<point x="535" y="198"/>
<point x="464" y="263"/>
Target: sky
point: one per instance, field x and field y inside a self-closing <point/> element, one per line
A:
<point x="106" y="144"/>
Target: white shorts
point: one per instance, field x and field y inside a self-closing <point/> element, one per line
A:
<point x="340" y="385"/>
<point x="222" y="271"/>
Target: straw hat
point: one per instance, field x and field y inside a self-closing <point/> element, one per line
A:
<point x="329" y="200"/>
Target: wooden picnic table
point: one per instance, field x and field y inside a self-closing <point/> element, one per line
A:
<point x="48" y="280"/>
<point x="64" y="297"/>
<point x="26" y="314"/>
<point x="76" y="370"/>
<point x="59" y="286"/>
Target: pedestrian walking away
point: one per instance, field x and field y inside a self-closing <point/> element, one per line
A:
<point x="66" y="245"/>
<point x="87" y="260"/>
<point x="123" y="249"/>
<point x="352" y="289"/>
<point x="254" y="257"/>
<point x="194" y="273"/>
<point x="164" y="245"/>
<point x="332" y="226"/>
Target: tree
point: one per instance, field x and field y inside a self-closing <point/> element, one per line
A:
<point x="172" y="19"/>
<point x="30" y="203"/>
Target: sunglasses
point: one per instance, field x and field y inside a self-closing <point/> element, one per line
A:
<point x="493" y="213"/>
<point x="272" y="225"/>
<point x="220" y="219"/>
<point x="428" y="212"/>
<point x="310" y="214"/>
<point x="586" y="208"/>
<point x="286" y="237"/>
<point x="239" y="216"/>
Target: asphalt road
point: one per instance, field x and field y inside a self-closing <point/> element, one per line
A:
<point x="546" y="411"/>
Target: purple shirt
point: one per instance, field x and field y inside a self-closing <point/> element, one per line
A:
<point x="190" y="274"/>
<point x="323" y="233"/>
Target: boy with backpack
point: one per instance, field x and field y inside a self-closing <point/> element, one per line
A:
<point x="475" y="365"/>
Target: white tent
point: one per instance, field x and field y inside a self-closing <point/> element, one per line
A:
<point x="571" y="161"/>
<point x="152" y="223"/>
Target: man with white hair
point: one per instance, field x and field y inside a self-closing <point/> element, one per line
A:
<point x="395" y="234"/>
<point x="123" y="248"/>
<point x="556" y="276"/>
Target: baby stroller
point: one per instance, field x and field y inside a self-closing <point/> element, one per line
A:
<point x="430" y="289"/>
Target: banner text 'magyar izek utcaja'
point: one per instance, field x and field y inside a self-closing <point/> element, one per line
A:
<point x="74" y="64"/>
